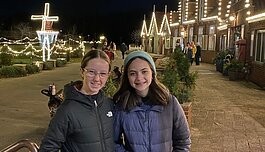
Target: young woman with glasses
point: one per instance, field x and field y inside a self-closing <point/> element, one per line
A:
<point x="84" y="120"/>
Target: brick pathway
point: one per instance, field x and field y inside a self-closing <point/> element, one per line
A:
<point x="224" y="118"/>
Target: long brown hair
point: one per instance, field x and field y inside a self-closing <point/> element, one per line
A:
<point x="127" y="98"/>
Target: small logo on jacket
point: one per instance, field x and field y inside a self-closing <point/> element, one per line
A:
<point x="109" y="114"/>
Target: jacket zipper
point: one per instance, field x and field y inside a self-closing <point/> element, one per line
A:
<point x="149" y="132"/>
<point x="102" y="142"/>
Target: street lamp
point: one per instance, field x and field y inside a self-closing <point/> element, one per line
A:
<point x="102" y="38"/>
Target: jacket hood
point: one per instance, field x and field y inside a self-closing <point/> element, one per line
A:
<point x="71" y="93"/>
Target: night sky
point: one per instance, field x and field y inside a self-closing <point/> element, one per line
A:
<point x="117" y="19"/>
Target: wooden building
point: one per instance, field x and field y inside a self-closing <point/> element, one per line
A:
<point x="156" y="33"/>
<point x="218" y="25"/>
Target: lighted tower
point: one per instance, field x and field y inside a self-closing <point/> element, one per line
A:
<point x="46" y="35"/>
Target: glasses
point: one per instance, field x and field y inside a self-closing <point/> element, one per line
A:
<point x="93" y="73"/>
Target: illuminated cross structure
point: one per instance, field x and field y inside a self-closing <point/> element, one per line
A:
<point x="46" y="35"/>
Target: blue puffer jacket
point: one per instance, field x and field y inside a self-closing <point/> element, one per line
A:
<point x="152" y="128"/>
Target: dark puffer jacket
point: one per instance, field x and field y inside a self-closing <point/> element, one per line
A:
<point x="81" y="124"/>
<point x="152" y="128"/>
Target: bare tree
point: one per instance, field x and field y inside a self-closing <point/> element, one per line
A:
<point x="136" y="36"/>
<point x="24" y="29"/>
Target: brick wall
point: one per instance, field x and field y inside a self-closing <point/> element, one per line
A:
<point x="208" y="56"/>
<point x="257" y="74"/>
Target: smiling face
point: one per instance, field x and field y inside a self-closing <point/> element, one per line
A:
<point x="95" y="75"/>
<point x="140" y="76"/>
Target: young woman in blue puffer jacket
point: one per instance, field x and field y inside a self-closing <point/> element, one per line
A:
<point x="147" y="117"/>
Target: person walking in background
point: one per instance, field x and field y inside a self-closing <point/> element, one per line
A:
<point x="198" y="54"/>
<point x="193" y="48"/>
<point x="188" y="49"/>
<point x="147" y="117"/>
<point x="123" y="49"/>
<point x="84" y="121"/>
<point x="109" y="53"/>
<point x="114" y="46"/>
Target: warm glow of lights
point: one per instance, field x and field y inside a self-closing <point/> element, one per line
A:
<point x="165" y="24"/>
<point x="144" y="29"/>
<point x="153" y="25"/>
<point x="189" y="22"/>
<point x="174" y="24"/>
<point x="31" y="50"/>
<point x="231" y="18"/>
<point x="102" y="37"/>
<point x="256" y="18"/>
<point x="211" y="18"/>
<point x="223" y="27"/>
<point x="46" y="36"/>
<point x="248" y="12"/>
<point x="247" y="5"/>
<point x="45" y="17"/>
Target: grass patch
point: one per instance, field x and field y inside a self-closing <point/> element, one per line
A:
<point x="75" y="60"/>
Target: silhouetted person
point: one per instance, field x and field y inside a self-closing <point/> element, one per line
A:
<point x="123" y="49"/>
<point x="117" y="77"/>
<point x="198" y="54"/>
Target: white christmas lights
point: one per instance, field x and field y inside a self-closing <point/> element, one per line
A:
<point x="46" y="36"/>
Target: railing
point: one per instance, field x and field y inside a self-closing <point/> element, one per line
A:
<point x="25" y="143"/>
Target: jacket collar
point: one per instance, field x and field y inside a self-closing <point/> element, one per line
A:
<point x="71" y="93"/>
<point x="156" y="108"/>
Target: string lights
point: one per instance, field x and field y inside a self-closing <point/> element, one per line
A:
<point x="29" y="46"/>
<point x="153" y="23"/>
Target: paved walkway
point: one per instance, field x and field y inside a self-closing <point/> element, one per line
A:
<point x="228" y="116"/>
<point x="23" y="109"/>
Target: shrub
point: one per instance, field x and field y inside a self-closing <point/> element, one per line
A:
<point x="5" y="59"/>
<point x="235" y="65"/>
<point x="177" y="77"/>
<point x="31" y="69"/>
<point x="48" y="65"/>
<point x="12" y="71"/>
<point x="110" y="88"/>
<point x="5" y="56"/>
<point x="60" y="62"/>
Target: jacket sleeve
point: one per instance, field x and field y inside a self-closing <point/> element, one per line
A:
<point x="56" y="132"/>
<point x="181" y="132"/>
<point x="119" y="146"/>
